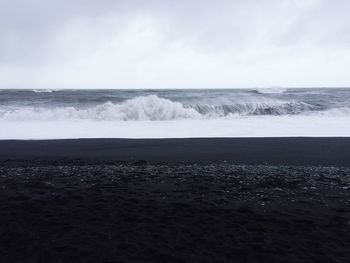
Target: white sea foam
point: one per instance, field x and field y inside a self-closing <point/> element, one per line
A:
<point x="255" y="126"/>
<point x="341" y="111"/>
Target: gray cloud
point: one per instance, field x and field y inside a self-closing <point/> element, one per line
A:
<point x="153" y="41"/>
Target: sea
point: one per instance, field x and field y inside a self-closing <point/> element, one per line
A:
<point x="265" y="112"/>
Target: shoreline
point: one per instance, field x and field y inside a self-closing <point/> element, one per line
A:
<point x="300" y="151"/>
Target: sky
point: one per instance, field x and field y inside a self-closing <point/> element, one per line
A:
<point x="174" y="43"/>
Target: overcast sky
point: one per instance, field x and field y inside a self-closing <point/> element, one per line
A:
<point x="174" y="43"/>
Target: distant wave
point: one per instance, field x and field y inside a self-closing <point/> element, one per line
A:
<point x="272" y="90"/>
<point x="154" y="108"/>
<point x="43" y="90"/>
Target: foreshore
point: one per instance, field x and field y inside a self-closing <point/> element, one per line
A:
<point x="272" y="151"/>
<point x="175" y="200"/>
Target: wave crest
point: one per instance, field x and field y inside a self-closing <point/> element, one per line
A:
<point x="153" y="108"/>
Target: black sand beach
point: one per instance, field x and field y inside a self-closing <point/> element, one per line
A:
<point x="176" y="200"/>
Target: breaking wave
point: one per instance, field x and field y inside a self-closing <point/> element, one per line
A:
<point x="142" y="108"/>
<point x="261" y="108"/>
<point x="154" y="108"/>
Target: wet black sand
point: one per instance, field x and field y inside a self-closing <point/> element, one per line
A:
<point x="59" y="206"/>
<point x="275" y="151"/>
